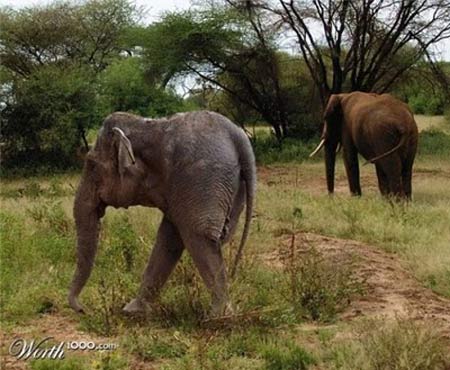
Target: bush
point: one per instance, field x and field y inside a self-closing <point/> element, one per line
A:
<point x="317" y="287"/>
<point x="268" y="150"/>
<point x="434" y="142"/>
<point x="288" y="358"/>
<point x="124" y="88"/>
<point x="47" y="118"/>
<point x="426" y="104"/>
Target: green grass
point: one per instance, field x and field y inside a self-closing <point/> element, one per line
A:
<point x="37" y="260"/>
<point x="397" y="345"/>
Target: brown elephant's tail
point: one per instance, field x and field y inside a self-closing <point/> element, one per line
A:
<point x="248" y="173"/>
<point x="398" y="146"/>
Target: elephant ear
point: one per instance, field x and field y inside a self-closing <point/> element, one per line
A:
<point x="333" y="106"/>
<point x="125" y="155"/>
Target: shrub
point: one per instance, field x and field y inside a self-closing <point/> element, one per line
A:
<point x="317" y="287"/>
<point x="47" y="118"/>
<point x="268" y="150"/>
<point x="291" y="357"/>
<point x="434" y="142"/>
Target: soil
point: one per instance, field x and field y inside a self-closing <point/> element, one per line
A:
<point x="317" y="185"/>
<point x="390" y="291"/>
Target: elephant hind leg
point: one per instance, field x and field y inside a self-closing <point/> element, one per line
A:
<point x="236" y="210"/>
<point x="383" y="184"/>
<point x="392" y="167"/>
<point x="165" y="255"/>
<point x="207" y="257"/>
<point x="407" y="178"/>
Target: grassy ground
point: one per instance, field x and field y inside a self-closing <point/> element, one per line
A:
<point x="288" y="317"/>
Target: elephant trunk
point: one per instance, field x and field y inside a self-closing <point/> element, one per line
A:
<point x="88" y="210"/>
<point x="330" y="160"/>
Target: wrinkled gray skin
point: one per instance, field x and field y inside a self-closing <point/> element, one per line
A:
<point x="382" y="129"/>
<point x="198" y="168"/>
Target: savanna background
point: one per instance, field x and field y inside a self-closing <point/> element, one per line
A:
<point x="325" y="282"/>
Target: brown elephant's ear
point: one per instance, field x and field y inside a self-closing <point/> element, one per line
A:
<point x="333" y="106"/>
<point x="125" y="153"/>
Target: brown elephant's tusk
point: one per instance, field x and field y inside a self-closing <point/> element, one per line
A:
<point x="338" y="149"/>
<point x="322" y="142"/>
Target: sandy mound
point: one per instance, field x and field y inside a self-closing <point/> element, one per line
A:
<point x="390" y="290"/>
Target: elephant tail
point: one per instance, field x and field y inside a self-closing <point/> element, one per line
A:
<point x="248" y="173"/>
<point x="398" y="146"/>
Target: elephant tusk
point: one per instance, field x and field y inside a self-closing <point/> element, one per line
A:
<point x="339" y="147"/>
<point x="322" y="142"/>
<point x="127" y="143"/>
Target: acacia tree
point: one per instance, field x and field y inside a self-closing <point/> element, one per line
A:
<point x="50" y="58"/>
<point x="231" y="47"/>
<point x="63" y="33"/>
<point x="354" y="44"/>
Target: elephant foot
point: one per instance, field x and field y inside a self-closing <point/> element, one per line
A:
<point x="135" y="306"/>
<point x="221" y="309"/>
<point x="77" y="307"/>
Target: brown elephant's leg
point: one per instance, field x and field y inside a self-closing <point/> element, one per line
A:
<point x="392" y="167"/>
<point x="165" y="255"/>
<point x="207" y="256"/>
<point x="382" y="180"/>
<point x="407" y="179"/>
<point x="352" y="168"/>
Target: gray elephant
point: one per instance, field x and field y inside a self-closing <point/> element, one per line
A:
<point x="198" y="168"/>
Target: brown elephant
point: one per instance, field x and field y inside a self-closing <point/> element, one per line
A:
<point x="198" y="168"/>
<point x="379" y="127"/>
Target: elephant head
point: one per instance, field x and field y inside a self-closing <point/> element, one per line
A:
<point x="331" y="137"/>
<point x="109" y="166"/>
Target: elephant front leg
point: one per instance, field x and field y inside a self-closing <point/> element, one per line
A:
<point x="352" y="168"/>
<point x="165" y="255"/>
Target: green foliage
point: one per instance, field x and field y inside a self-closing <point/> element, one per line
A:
<point x="124" y="88"/>
<point x="268" y="150"/>
<point x="49" y="63"/>
<point x="102" y="361"/>
<point x="424" y="88"/>
<point x="25" y="290"/>
<point x="287" y="358"/>
<point x="192" y="37"/>
<point x="64" y="364"/>
<point x="151" y="347"/>
<point x="434" y="142"/>
<point x="64" y="33"/>
<point x="398" y="344"/>
<point x="423" y="103"/>
<point x="318" y="287"/>
<point x="46" y="123"/>
<point x="405" y="346"/>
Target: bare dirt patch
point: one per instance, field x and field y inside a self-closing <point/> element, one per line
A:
<point x="390" y="290"/>
<point x="311" y="179"/>
<point x="60" y="328"/>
